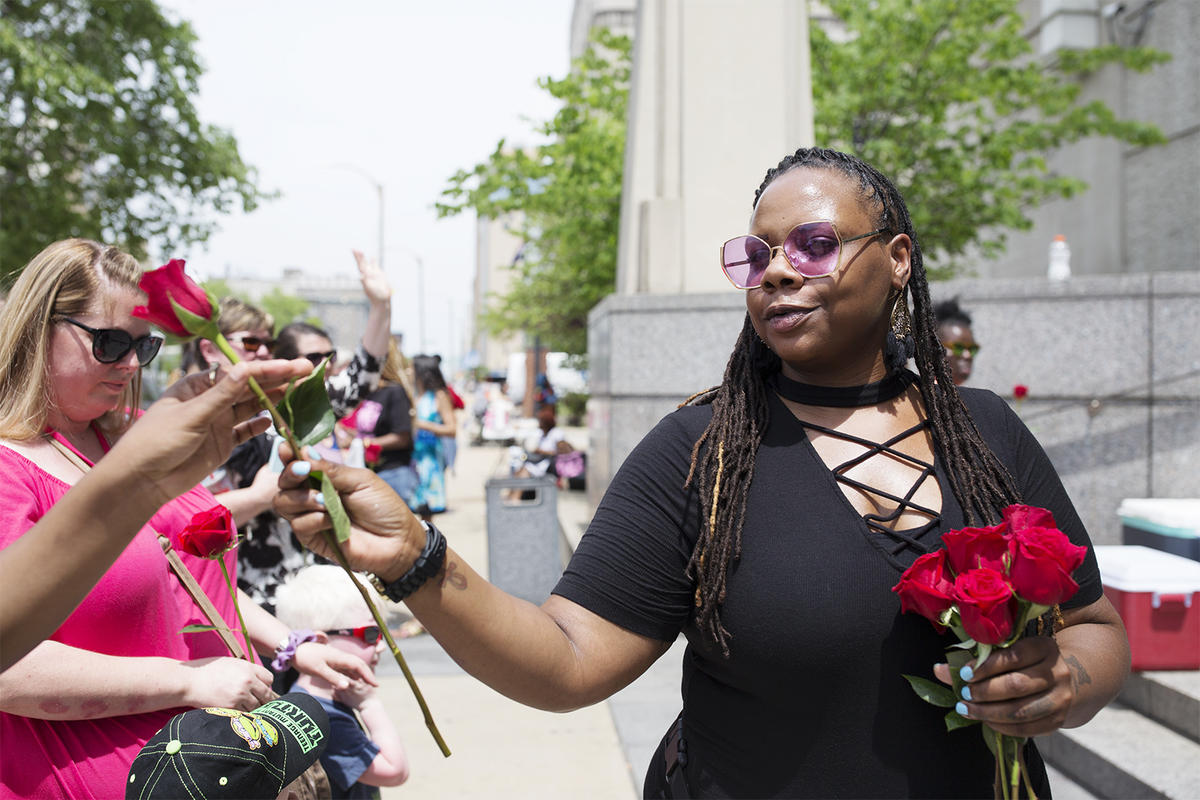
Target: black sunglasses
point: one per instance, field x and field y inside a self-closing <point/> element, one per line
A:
<point x="110" y="345"/>
<point x="369" y="634"/>
<point x="317" y="358"/>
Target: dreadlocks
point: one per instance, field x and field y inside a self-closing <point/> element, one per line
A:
<point x="722" y="464"/>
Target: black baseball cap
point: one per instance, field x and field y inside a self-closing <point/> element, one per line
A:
<point x="224" y="753"/>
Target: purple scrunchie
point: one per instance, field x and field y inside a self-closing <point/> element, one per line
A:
<point x="287" y="650"/>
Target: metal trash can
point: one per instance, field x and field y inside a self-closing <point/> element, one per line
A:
<point x="525" y="550"/>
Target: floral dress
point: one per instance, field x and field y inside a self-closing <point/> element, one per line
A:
<point x="429" y="460"/>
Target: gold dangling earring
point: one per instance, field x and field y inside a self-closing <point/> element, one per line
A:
<point x="900" y="345"/>
<point x="901" y="319"/>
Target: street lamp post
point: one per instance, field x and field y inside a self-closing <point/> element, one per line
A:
<point x="420" y="300"/>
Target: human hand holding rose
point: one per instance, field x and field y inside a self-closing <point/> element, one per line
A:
<point x="304" y="416"/>
<point x="211" y="534"/>
<point x="986" y="586"/>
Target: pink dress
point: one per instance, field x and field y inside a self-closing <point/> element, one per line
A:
<point x="134" y="610"/>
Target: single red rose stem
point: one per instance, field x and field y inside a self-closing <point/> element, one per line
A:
<point x="332" y="541"/>
<point x="251" y="656"/>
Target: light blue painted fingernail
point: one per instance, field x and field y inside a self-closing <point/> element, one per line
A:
<point x="966" y="673"/>
<point x="966" y="693"/>
<point x="301" y="468"/>
<point x="961" y="708"/>
<point x="320" y="499"/>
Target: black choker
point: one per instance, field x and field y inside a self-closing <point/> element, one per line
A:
<point x="843" y="396"/>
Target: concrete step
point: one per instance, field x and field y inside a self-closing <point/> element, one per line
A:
<point x="1123" y="754"/>
<point x="1063" y="788"/>
<point x="1169" y="698"/>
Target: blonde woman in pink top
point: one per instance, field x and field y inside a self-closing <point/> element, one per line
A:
<point x="78" y="707"/>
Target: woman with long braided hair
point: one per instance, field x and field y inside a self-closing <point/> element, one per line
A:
<point x="768" y="519"/>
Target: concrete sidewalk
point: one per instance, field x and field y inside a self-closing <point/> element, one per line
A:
<point x="502" y="749"/>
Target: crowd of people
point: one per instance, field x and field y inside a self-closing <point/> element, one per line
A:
<point x="842" y="385"/>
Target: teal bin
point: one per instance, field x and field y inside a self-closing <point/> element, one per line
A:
<point x="1169" y="524"/>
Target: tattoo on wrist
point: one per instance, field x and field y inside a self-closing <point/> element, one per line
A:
<point x="1079" y="675"/>
<point x="451" y="576"/>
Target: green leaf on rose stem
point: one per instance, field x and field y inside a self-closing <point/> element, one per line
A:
<point x="985" y="650"/>
<point x="955" y="720"/>
<point x="201" y="628"/>
<point x="938" y="694"/>
<point x="196" y="325"/>
<point x="306" y="409"/>
<point x="335" y="509"/>
<point x="957" y="659"/>
<point x="989" y="738"/>
<point x="967" y="645"/>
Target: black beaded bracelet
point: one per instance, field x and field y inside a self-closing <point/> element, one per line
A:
<point x="428" y="564"/>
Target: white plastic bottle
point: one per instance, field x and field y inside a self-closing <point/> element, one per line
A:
<point x="1060" y="259"/>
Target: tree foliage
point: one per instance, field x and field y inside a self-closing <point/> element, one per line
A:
<point x="563" y="198"/>
<point x="98" y="135"/>
<point x="284" y="308"/>
<point x="948" y="98"/>
<point x="945" y="96"/>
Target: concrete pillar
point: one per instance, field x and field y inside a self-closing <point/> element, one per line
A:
<point x="721" y="91"/>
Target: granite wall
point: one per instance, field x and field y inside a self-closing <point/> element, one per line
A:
<point x="1112" y="365"/>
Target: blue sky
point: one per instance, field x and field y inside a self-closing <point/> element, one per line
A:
<point x="408" y="92"/>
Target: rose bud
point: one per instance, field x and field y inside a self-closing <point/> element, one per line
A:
<point x="986" y="604"/>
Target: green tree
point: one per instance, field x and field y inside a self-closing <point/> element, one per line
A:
<point x="563" y="199"/>
<point x="947" y="97"/>
<point x="284" y="308"/>
<point x="98" y="135"/>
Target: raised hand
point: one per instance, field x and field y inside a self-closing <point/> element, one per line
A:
<point x="374" y="279"/>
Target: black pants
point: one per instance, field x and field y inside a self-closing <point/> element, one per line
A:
<point x="666" y="778"/>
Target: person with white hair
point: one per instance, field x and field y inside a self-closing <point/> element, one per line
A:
<point x="322" y="600"/>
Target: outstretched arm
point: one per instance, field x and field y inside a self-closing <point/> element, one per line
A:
<point x="558" y="656"/>
<point x="191" y="430"/>
<point x="59" y="682"/>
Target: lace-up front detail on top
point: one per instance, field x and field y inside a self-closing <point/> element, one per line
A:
<point x="893" y="504"/>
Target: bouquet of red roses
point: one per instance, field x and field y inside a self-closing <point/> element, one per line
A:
<point x="986" y="585"/>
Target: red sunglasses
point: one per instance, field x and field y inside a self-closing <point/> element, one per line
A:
<point x="369" y="634"/>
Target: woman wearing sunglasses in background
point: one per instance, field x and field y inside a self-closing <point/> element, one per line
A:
<point x="954" y="332"/>
<point x="768" y="520"/>
<point x="320" y="600"/>
<point x="77" y="708"/>
<point x="246" y="483"/>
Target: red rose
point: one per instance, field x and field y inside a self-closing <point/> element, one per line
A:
<point x="1043" y="560"/>
<point x="986" y="604"/>
<point x="925" y="587"/>
<point x="170" y="283"/>
<point x="1020" y="517"/>
<point x="209" y="534"/>
<point x="972" y="548"/>
<point x="1020" y="390"/>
